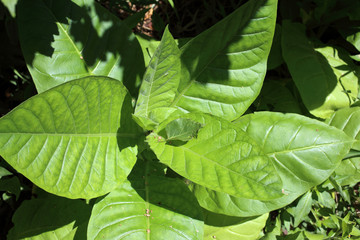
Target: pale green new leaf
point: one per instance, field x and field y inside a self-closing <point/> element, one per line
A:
<point x="50" y="218"/>
<point x="304" y="152"/>
<point x="348" y="120"/>
<point x="302" y="209"/>
<point x="224" y="67"/>
<point x="222" y="157"/>
<point x="76" y="140"/>
<point x="149" y="206"/>
<point x="222" y="227"/>
<point x="161" y="79"/>
<point x="66" y="40"/>
<point x="325" y="81"/>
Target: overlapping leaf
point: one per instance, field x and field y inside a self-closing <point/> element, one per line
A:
<point x="304" y="152"/>
<point x="150" y="206"/>
<point x="50" y="218"/>
<point x="66" y="40"/>
<point x="224" y="227"/>
<point x="325" y="82"/>
<point x="348" y="120"/>
<point x="76" y="140"/>
<point x="224" y="67"/>
<point x="222" y="158"/>
<point x="160" y="81"/>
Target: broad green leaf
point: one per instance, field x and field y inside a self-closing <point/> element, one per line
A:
<point x="274" y="96"/>
<point x="66" y="40"/>
<point x="304" y="152"/>
<point x="348" y="173"/>
<point x="50" y="218"/>
<point x="161" y="79"/>
<point x="10" y="5"/>
<point x="222" y="227"/>
<point x="348" y="120"/>
<point x="325" y="81"/>
<point x="181" y="129"/>
<point x="148" y="46"/>
<point x="302" y="208"/>
<point x="149" y="206"/>
<point x="224" y="67"/>
<point x="222" y="158"/>
<point x="76" y="140"/>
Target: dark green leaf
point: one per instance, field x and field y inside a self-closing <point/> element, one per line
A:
<point x="50" y="218"/>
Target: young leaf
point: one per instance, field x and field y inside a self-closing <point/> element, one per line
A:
<point x="66" y="40"/>
<point x="304" y="152"/>
<point x="303" y="208"/>
<point x="348" y="173"/>
<point x="222" y="158"/>
<point x="161" y="79"/>
<point x="76" y="140"/>
<point x="150" y="206"/>
<point x="224" y="227"/>
<point x="325" y="82"/>
<point x="347" y="119"/>
<point x="181" y="129"/>
<point x="224" y="67"/>
<point x="50" y="218"/>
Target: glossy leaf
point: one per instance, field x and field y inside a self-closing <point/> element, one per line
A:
<point x="76" y="140"/>
<point x="150" y="206"/>
<point x="66" y="40"/>
<point x="302" y="208"/>
<point x="222" y="158"/>
<point x="224" y="67"/>
<point x="304" y="152"/>
<point x="161" y="79"/>
<point x="347" y="119"/>
<point x="325" y="82"/>
<point x="222" y="227"/>
<point x="50" y="218"/>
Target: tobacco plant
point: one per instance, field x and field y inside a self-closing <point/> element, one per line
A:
<point x="167" y="152"/>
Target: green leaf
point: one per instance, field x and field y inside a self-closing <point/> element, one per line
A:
<point x="348" y="173"/>
<point x="303" y="208"/>
<point x="222" y="227"/>
<point x="76" y="140"/>
<point x="347" y="119"/>
<point x="224" y="67"/>
<point x="274" y="96"/>
<point x="4" y="172"/>
<point x="66" y="40"/>
<point x="222" y="158"/>
<point x="325" y="81"/>
<point x="10" y="5"/>
<point x="150" y="206"/>
<point x="304" y="152"/>
<point x="325" y="199"/>
<point x="161" y="79"/>
<point x="181" y="129"/>
<point x="50" y="218"/>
